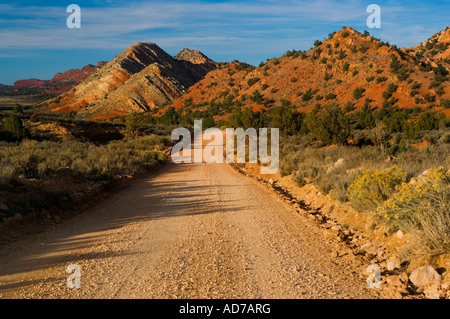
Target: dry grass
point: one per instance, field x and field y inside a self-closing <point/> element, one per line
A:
<point x="431" y="228"/>
<point x="41" y="175"/>
<point x="34" y="159"/>
<point x="423" y="212"/>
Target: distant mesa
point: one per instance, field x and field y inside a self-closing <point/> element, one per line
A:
<point x="61" y="82"/>
<point x="77" y="75"/>
<point x="29" y="83"/>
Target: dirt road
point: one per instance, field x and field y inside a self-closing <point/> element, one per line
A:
<point x="186" y="231"/>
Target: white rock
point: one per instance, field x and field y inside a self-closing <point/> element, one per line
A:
<point x="425" y="276"/>
<point x="399" y="234"/>
<point x="432" y="292"/>
<point x="339" y="163"/>
<point x="393" y="263"/>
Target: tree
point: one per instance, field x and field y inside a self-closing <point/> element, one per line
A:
<point x="132" y="125"/>
<point x="208" y="122"/>
<point x="331" y="127"/>
<point x="170" y="117"/>
<point x="234" y="121"/>
<point x="427" y="121"/>
<point x="289" y="121"/>
<point x="248" y="118"/>
<point x="13" y="128"/>
<point x="364" y="118"/>
<point x="380" y="135"/>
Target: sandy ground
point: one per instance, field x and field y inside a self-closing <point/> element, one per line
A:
<point x="185" y="231"/>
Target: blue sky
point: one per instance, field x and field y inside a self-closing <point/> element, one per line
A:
<point x="36" y="43"/>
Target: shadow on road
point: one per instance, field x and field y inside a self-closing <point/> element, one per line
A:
<point x="165" y="193"/>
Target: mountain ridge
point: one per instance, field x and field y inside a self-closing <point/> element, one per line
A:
<point x="140" y="78"/>
<point x="349" y="68"/>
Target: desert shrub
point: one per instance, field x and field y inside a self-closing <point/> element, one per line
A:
<point x="372" y="188"/>
<point x="440" y="91"/>
<point x="345" y="67"/>
<point x="339" y="191"/>
<point x="381" y="79"/>
<point x="299" y="179"/>
<point x="445" y="139"/>
<point x="256" y="97"/>
<point x="252" y="81"/>
<point x="342" y="54"/>
<point x="358" y="93"/>
<point x="13" y="128"/>
<point x="445" y="103"/>
<point x="422" y="208"/>
<point x="429" y="98"/>
<point x="307" y="96"/>
<point x="364" y="48"/>
<point x="7" y="173"/>
<point x="34" y="159"/>
<point x="330" y="96"/>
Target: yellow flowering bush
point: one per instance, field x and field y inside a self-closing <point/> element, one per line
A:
<point x="372" y="188"/>
<point x="416" y="198"/>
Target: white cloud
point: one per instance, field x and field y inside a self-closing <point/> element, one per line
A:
<point x="208" y="24"/>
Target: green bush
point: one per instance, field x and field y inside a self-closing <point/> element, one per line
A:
<point x="445" y="103"/>
<point x="252" y="81"/>
<point x="13" y="128"/>
<point x="358" y="93"/>
<point x="307" y="96"/>
<point x="381" y="79"/>
<point x="345" y="67"/>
